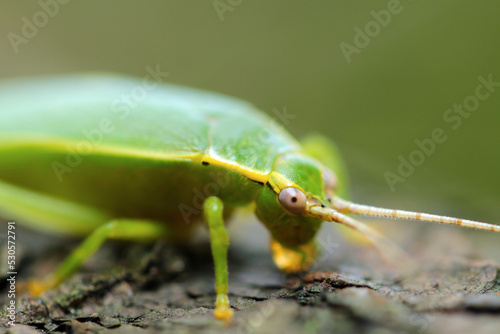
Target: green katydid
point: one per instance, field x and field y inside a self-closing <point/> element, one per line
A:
<point x="77" y="160"/>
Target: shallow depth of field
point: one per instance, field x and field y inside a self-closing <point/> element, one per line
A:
<point x="409" y="91"/>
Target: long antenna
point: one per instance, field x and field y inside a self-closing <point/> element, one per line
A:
<point x="348" y="207"/>
<point x="389" y="250"/>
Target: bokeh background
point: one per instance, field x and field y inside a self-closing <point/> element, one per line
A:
<point x="288" y="53"/>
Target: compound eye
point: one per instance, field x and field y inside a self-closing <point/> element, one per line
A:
<point x="330" y="179"/>
<point x="293" y="200"/>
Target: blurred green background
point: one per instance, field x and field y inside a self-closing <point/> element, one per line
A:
<point x="288" y="53"/>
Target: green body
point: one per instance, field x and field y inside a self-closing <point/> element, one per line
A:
<point x="170" y="120"/>
<point x="113" y="157"/>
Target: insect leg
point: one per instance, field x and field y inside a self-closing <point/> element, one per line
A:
<point x="213" y="210"/>
<point x="296" y="259"/>
<point x="47" y="213"/>
<point x="325" y="151"/>
<point x="120" y="229"/>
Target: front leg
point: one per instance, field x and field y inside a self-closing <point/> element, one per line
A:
<point x="213" y="209"/>
<point x="293" y="260"/>
<point x="325" y="150"/>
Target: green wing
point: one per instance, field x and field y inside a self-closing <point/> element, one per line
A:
<point x="166" y="119"/>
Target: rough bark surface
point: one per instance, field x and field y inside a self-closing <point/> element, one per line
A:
<point x="128" y="288"/>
